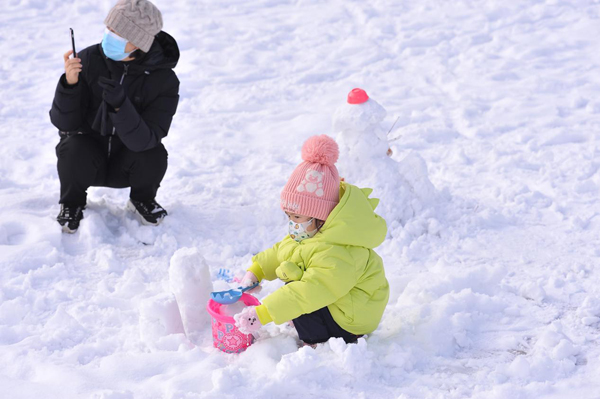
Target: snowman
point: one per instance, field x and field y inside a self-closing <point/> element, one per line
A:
<point x="358" y="126"/>
<point x="403" y="187"/>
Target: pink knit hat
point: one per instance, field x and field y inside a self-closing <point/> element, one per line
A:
<point x="314" y="186"/>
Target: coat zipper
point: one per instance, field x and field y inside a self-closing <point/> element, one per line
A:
<point x="113" y="131"/>
<point x="124" y="73"/>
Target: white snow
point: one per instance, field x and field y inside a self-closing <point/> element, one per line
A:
<point x="492" y="203"/>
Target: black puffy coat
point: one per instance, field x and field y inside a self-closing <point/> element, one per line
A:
<point x="151" y="88"/>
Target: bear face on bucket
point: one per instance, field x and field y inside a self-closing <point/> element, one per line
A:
<point x="312" y="183"/>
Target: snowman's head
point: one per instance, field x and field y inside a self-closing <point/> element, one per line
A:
<point x="358" y="117"/>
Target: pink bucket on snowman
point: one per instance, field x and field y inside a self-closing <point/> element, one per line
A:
<point x="226" y="336"/>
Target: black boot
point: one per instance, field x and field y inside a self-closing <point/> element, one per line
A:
<point x="149" y="212"/>
<point x="69" y="217"/>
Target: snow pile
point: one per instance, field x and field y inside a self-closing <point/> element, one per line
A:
<point x="589" y="311"/>
<point x="552" y="356"/>
<point x="161" y="327"/>
<point x="441" y="313"/>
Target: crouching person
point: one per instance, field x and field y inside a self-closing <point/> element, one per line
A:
<point x="113" y="106"/>
<point x="335" y="281"/>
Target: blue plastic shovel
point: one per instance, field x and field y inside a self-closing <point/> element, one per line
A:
<point x="230" y="296"/>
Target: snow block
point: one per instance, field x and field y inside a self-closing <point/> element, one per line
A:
<point x="190" y="282"/>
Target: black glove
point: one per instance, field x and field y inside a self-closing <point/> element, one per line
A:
<point x="113" y="94"/>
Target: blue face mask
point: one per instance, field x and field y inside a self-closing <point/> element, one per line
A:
<point x="113" y="46"/>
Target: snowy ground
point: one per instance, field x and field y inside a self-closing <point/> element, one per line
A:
<point x="495" y="291"/>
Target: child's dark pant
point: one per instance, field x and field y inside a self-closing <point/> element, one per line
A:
<point x="319" y="326"/>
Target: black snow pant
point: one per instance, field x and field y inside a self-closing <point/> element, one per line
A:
<point x="86" y="160"/>
<point x="319" y="326"/>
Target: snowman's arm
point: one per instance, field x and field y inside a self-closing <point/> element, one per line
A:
<point x="381" y="135"/>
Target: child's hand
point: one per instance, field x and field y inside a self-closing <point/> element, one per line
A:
<point x="289" y="271"/>
<point x="247" y="320"/>
<point x="248" y="280"/>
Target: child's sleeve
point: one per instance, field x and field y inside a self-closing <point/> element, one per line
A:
<point x="330" y="274"/>
<point x="265" y="263"/>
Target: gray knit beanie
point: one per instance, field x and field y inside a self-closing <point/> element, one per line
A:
<point x="138" y="21"/>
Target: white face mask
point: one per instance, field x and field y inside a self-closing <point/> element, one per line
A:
<point x="298" y="230"/>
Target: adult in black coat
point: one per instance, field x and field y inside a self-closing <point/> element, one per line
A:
<point x="113" y="106"/>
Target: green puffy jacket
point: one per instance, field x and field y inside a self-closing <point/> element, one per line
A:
<point x="337" y="268"/>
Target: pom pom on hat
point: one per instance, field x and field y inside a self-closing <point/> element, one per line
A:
<point x="321" y="149"/>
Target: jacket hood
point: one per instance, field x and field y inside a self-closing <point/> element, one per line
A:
<point x="353" y="221"/>
<point x="164" y="53"/>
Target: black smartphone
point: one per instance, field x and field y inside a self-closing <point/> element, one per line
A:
<point x="73" y="43"/>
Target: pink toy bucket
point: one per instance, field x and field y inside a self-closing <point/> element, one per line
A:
<point x="226" y="336"/>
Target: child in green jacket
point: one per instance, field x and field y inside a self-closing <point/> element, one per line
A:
<point x="335" y="282"/>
